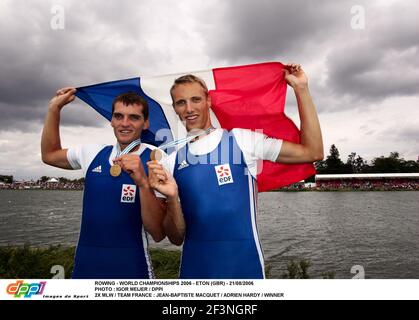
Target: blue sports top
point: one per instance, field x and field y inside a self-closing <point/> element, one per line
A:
<point x="112" y="242"/>
<point x="218" y="198"/>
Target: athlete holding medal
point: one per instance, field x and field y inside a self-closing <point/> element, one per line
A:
<point x="118" y="203"/>
<point x="214" y="176"/>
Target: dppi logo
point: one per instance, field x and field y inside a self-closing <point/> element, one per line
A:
<point x="223" y="174"/>
<point x="128" y="193"/>
<point x="27" y="290"/>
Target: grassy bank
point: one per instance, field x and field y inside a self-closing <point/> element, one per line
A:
<point x="35" y="263"/>
<point x="28" y="262"/>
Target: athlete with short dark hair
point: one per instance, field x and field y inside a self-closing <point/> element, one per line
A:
<point x="118" y="203"/>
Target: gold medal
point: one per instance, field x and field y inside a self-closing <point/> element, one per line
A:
<point x="156" y="155"/>
<point x="115" y="170"/>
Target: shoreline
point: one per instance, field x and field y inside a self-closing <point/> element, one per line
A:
<point x="36" y="262"/>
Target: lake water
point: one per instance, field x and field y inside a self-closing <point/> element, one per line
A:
<point x="378" y="231"/>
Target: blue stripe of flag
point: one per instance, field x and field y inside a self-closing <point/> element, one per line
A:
<point x="100" y="97"/>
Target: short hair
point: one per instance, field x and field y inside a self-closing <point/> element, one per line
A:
<point x="188" y="78"/>
<point x="130" y="98"/>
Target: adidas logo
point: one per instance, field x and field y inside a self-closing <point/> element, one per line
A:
<point x="183" y="164"/>
<point x="97" y="169"/>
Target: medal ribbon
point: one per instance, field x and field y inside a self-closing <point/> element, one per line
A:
<point x="129" y="147"/>
<point x="115" y="170"/>
<point x="185" y="140"/>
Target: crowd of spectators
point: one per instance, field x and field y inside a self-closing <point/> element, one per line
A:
<point x="27" y="185"/>
<point x="320" y="185"/>
<point x="368" y="184"/>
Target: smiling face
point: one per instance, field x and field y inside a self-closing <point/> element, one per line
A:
<point x="191" y="104"/>
<point x="128" y="122"/>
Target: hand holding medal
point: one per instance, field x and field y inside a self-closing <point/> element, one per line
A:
<point x="161" y="180"/>
<point x="116" y="168"/>
<point x="131" y="164"/>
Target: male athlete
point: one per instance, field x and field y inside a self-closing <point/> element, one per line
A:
<point x="118" y="203"/>
<point x="214" y="176"/>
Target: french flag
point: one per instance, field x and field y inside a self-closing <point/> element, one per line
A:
<point x="250" y="97"/>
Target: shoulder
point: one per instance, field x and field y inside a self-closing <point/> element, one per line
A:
<point x="84" y="150"/>
<point x="246" y="139"/>
<point x="93" y="148"/>
<point x="81" y="156"/>
<point x="257" y="144"/>
<point x="243" y="134"/>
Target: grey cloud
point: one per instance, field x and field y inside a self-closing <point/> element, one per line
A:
<point x="403" y="138"/>
<point x="80" y="114"/>
<point x="97" y="45"/>
<point x="267" y="29"/>
<point x="397" y="26"/>
<point x="362" y="65"/>
<point x="27" y="117"/>
<point x="367" y="74"/>
<point x="28" y="165"/>
<point x="383" y="62"/>
<point x="343" y="140"/>
<point x="408" y="133"/>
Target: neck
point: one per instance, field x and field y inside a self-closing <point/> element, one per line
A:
<point x="208" y="127"/>
<point x="198" y="130"/>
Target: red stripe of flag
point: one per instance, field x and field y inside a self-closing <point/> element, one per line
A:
<point x="253" y="97"/>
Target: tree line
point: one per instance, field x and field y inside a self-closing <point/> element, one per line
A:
<point x="43" y="179"/>
<point x="356" y="164"/>
<point x="6" y="179"/>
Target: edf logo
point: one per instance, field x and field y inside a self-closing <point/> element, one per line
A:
<point x="128" y="193"/>
<point x="224" y="175"/>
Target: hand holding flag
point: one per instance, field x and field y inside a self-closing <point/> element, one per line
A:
<point x="295" y="76"/>
<point x="63" y="96"/>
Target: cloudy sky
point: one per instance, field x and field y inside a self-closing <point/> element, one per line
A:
<point x="364" y="78"/>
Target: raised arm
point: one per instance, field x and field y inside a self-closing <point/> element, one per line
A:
<point x="51" y="150"/>
<point x="310" y="148"/>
